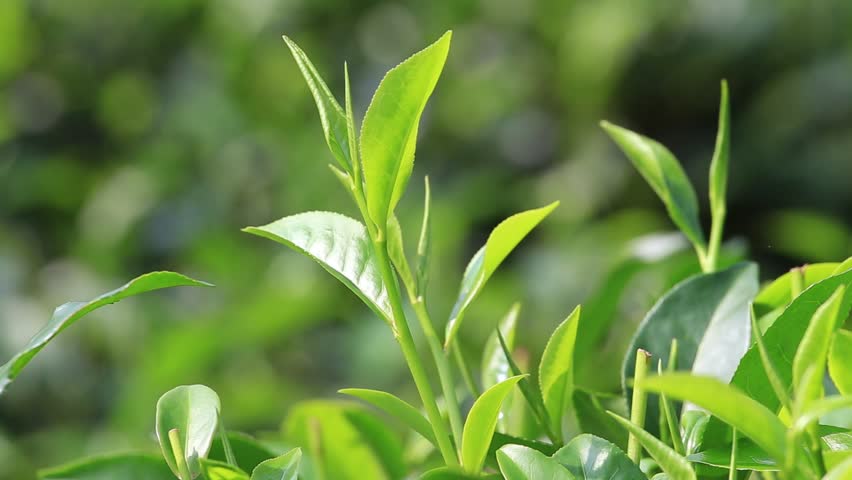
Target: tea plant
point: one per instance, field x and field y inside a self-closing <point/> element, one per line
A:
<point x="758" y="370"/>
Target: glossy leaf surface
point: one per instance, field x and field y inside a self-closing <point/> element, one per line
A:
<point x="194" y="411"/>
<point x="389" y="131"/>
<point x="397" y="408"/>
<point x="665" y="175"/>
<point x="502" y="240"/>
<point x="709" y="316"/>
<point x="65" y="315"/>
<point x="556" y="371"/>
<point x="592" y="458"/>
<point x="284" y="467"/>
<point x="129" y="466"/>
<point x="480" y="424"/>
<point x="341" y="246"/>
<point x="523" y="463"/>
<point x="332" y="116"/>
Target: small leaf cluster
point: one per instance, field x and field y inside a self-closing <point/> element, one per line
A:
<point x="723" y="377"/>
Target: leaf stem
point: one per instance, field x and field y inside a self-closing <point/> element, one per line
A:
<point x="464" y="368"/>
<point x="445" y="373"/>
<point x="409" y="350"/>
<point x="180" y="458"/>
<point x="226" y="444"/>
<point x="711" y="259"/>
<point x="640" y="400"/>
<point x="732" y="467"/>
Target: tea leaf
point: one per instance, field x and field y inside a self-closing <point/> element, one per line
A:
<point x="842" y="471"/>
<point x="248" y="451"/>
<point x="502" y="240"/>
<point x="781" y="340"/>
<point x="451" y="473"/>
<point x="395" y="407"/>
<point x="556" y="370"/>
<point x="192" y="410"/>
<point x="769" y="368"/>
<point x="729" y="404"/>
<point x="749" y="457"/>
<point x="389" y="131"/>
<point x="495" y="364"/>
<point x="136" y="466"/>
<point x="778" y="293"/>
<point x="592" y="418"/>
<point x="215" y="470"/>
<point x="523" y="463"/>
<point x="332" y="116"/>
<point x="663" y="172"/>
<point x="592" y="458"/>
<point x="65" y="315"/>
<point x="672" y="464"/>
<point x="813" y="350"/>
<point x="285" y="467"/>
<point x="836" y="447"/>
<point x="709" y="316"/>
<point x="480" y="424"/>
<point x="341" y="246"/>
<point x="839" y="366"/>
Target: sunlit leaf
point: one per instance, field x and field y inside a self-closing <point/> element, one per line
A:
<point x="397" y="408"/>
<point x="127" y="466"/>
<point x="842" y="471"/>
<point x="284" y="467"/>
<point x="523" y="463"/>
<point x="778" y="293"/>
<point x="215" y="470"/>
<point x="389" y="131"/>
<point x="65" y="315"/>
<point x="839" y="364"/>
<point x="556" y="371"/>
<point x="495" y="363"/>
<point x="813" y="350"/>
<point x="480" y="424"/>
<point x="341" y="246"/>
<point x="673" y="464"/>
<point x="665" y="175"/>
<point x="592" y="458"/>
<point x="503" y="239"/>
<point x="192" y="410"/>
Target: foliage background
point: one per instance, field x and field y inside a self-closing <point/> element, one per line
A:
<point x="142" y="135"/>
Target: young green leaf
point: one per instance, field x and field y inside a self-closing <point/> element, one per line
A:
<point x="480" y="424"/>
<point x="729" y="404"/>
<point x="495" y="363"/>
<point x="778" y="293"/>
<point x="813" y="350"/>
<point x="839" y="366"/>
<point x="674" y="465"/>
<point x="332" y="116"/>
<point x="136" y="466"/>
<point x="249" y="452"/>
<point x="665" y="175"/>
<point x="395" y="407"/>
<point x="709" y="316"/>
<point x="192" y="410"/>
<point x="341" y="246"/>
<point x="453" y="473"/>
<point x="65" y="315"/>
<point x="502" y="240"/>
<point x="556" y="370"/>
<point x="842" y="471"/>
<point x="592" y="458"/>
<point x="781" y="340"/>
<point x="769" y="368"/>
<point x="845" y="266"/>
<point x="396" y="252"/>
<point x="284" y="467"/>
<point x="819" y="408"/>
<point x="749" y="457"/>
<point x="215" y="470"/>
<point x="389" y="131"/>
<point x="523" y="463"/>
<point x="836" y="447"/>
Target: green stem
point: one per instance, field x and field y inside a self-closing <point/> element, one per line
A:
<point x="442" y="363"/>
<point x="797" y="281"/>
<point x="712" y="258"/>
<point x="467" y="376"/>
<point x="409" y="350"/>
<point x="732" y="467"/>
<point x="640" y="400"/>
<point x="226" y="444"/>
<point x="180" y="458"/>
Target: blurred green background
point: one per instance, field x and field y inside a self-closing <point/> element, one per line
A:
<point x="137" y="136"/>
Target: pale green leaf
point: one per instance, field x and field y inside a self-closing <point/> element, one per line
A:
<point x="523" y="463"/>
<point x="840" y="361"/>
<point x="192" y="410"/>
<point x="556" y="370"/>
<point x="284" y="467"/>
<point x="502" y="240"/>
<point x="665" y="175"/>
<point x="842" y="471"/>
<point x="395" y="407"/>
<point x="215" y="470"/>
<point x="125" y="466"/>
<point x="65" y="315"/>
<point x="673" y="464"/>
<point x="341" y="246"/>
<point x="480" y="424"/>
<point x="813" y="350"/>
<point x="495" y="364"/>
<point x="389" y="131"/>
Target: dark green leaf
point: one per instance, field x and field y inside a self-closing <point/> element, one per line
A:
<point x="503" y="239"/>
<point x="749" y="457"/>
<point x="285" y="467"/>
<point x="592" y="458"/>
<point x="709" y="316"/>
<point x="556" y="370"/>
<point x="248" y="451"/>
<point x="127" y="466"/>
<point x="523" y="463"/>
<point x="193" y="410"/>
<point x="65" y="315"/>
<point x="480" y="424"/>
<point x="389" y="131"/>
<point x="341" y="246"/>
<point x="592" y="418"/>
<point x="332" y="116"/>
<point x="665" y="175"/>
